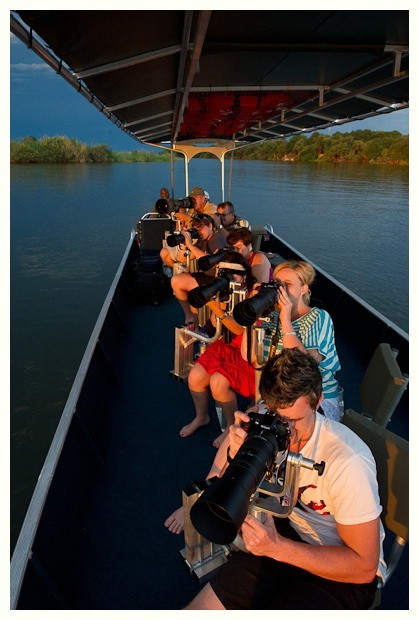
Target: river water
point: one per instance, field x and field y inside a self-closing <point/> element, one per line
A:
<point x="70" y="225"/>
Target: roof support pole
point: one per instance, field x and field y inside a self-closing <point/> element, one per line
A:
<point x="230" y="174"/>
<point x="222" y="177"/>
<point x="186" y="174"/>
<point x="172" y="175"/>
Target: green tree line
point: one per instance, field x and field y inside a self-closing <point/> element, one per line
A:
<point x="63" y="150"/>
<point x="360" y="146"/>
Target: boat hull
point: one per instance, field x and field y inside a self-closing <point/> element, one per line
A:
<point x="93" y="537"/>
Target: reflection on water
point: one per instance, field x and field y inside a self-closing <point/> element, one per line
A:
<point x="70" y="225"/>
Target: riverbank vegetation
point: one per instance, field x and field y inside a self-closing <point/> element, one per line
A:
<point x="360" y="146"/>
<point x="63" y="150"/>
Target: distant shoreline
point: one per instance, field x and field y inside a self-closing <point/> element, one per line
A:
<point x="362" y="146"/>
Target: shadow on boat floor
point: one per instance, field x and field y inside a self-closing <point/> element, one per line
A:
<point x="124" y="557"/>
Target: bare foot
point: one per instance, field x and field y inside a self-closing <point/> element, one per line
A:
<point x="192" y="426"/>
<point x="218" y="441"/>
<point x="176" y="522"/>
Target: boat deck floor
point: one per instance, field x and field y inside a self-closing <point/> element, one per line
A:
<point x="147" y="465"/>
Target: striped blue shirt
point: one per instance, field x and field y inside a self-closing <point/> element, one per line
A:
<point x="315" y="330"/>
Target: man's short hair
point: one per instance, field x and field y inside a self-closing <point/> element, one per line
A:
<point x="225" y="204"/>
<point x="240" y="234"/>
<point x="201" y="219"/>
<point x="289" y="375"/>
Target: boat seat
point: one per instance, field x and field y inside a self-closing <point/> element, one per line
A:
<point x="151" y="230"/>
<point x="391" y="454"/>
<point x="258" y="233"/>
<point x="382" y="385"/>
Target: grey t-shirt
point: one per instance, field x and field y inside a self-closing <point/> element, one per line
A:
<point x="210" y="246"/>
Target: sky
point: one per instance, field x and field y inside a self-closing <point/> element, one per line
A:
<point x="44" y="104"/>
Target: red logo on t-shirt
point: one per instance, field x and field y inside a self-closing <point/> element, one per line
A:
<point x="313" y="505"/>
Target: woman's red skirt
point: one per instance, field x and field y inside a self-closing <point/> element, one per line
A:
<point x="227" y="360"/>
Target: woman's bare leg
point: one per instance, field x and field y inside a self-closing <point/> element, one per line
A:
<point x="181" y="285"/>
<point x="226" y="398"/>
<point x="198" y="382"/>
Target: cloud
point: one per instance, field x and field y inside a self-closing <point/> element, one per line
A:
<point x="31" y="67"/>
<point x="22" y="72"/>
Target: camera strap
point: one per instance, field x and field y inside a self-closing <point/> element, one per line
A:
<point x="249" y="333"/>
<point x="274" y="340"/>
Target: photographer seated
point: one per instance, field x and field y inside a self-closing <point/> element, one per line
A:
<point x="176" y="255"/>
<point x="208" y="243"/>
<point x="202" y="205"/>
<point x="221" y="369"/>
<point x="300" y="325"/>
<point x="328" y="552"/>
<point x="226" y="220"/>
<point x="241" y="240"/>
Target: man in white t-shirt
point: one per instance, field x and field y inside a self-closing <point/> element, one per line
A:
<point x="329" y="551"/>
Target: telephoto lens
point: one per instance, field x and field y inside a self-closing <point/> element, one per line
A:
<point x="200" y="295"/>
<point x="186" y="203"/>
<point x="205" y="263"/>
<point x="219" y="512"/>
<point x="164" y="206"/>
<point x="177" y="237"/>
<point x="248" y="311"/>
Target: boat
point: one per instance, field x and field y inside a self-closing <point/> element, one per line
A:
<point x="188" y="81"/>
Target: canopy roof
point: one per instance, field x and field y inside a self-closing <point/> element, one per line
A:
<point x="214" y="76"/>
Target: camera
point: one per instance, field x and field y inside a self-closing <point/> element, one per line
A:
<point x="200" y="295"/>
<point x="177" y="237"/>
<point x="164" y="206"/>
<point x="221" y="509"/>
<point x="250" y="310"/>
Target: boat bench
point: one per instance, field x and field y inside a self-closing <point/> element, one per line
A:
<point x="382" y="386"/>
<point x="391" y="454"/>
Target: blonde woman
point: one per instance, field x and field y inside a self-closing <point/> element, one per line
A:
<point x="307" y="328"/>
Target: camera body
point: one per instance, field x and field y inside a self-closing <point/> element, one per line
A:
<point x="250" y="310"/>
<point x="261" y="424"/>
<point x="170" y="205"/>
<point x="177" y="238"/>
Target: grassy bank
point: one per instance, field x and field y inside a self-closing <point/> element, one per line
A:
<point x="63" y="150"/>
